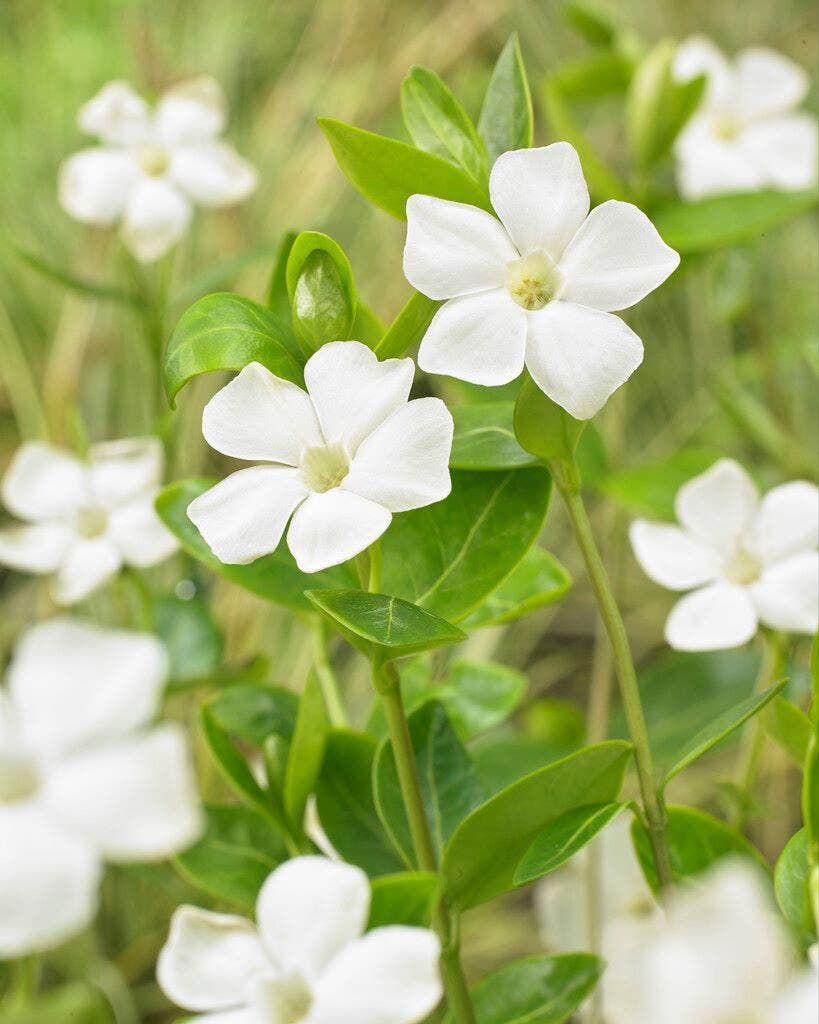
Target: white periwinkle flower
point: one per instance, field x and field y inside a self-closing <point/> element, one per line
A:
<point x="750" y="560"/>
<point x="536" y="287"/>
<point x="153" y="163"/>
<point x="306" y="961"/>
<point x="83" y="778"/>
<point x="745" y="134"/>
<point x="721" y="956"/>
<point x="341" y="457"/>
<point x="84" y="520"/>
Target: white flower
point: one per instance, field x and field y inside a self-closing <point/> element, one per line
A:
<point x="751" y="560"/>
<point x="84" y="520"/>
<point x="82" y="779"/>
<point x="745" y="134"/>
<point x="306" y="961"/>
<point x="151" y="164"/>
<point x="536" y="287"/>
<point x="721" y="956"/>
<point x="341" y="457"/>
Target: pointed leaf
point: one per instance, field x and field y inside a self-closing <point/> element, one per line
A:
<point x="306" y="750"/>
<point x="321" y="290"/>
<point x="536" y="581"/>
<point x="254" y="711"/>
<point x="485" y="438"/>
<point x="408" y="328"/>
<point x="562" y="838"/>
<point x="405" y="898"/>
<point x="506" y="120"/>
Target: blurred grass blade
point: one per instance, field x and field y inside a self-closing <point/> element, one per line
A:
<point x="93" y="289"/>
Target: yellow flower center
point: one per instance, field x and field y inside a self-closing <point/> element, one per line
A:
<point x="726" y="127"/>
<point x="286" y="999"/>
<point x="533" y="280"/>
<point x="19" y="778"/>
<point x="742" y="566"/>
<point x="322" y="469"/>
<point x="92" y="521"/>
<point x="153" y="160"/>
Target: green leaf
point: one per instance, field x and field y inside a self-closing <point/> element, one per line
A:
<point x="536" y="581"/>
<point x="274" y="577"/>
<point x="450" y="556"/>
<point x="306" y="750"/>
<point x="345" y="803"/>
<point x="502" y="760"/>
<point x="388" y="172"/>
<point x="535" y="990"/>
<point x="696" y="840"/>
<point x="592" y="76"/>
<point x="193" y="642"/>
<point x="598" y="23"/>
<point x="408" y="327"/>
<point x="720" y="727"/>
<point x="367" y="327"/>
<point x="542" y="427"/>
<point x="235" y="855"/>
<point x="277" y="298"/>
<point x="321" y="290"/>
<point x="788" y="726"/>
<point x="562" y="838"/>
<point x="449" y="785"/>
<point x="506" y="120"/>
<point x="483" y="854"/>
<point x="378" y="624"/>
<point x="791" y="884"/>
<point x="405" y="898"/>
<point x="717" y="221"/>
<point x="254" y="711"/>
<point x="651" y="488"/>
<point x="485" y="438"/>
<point x="436" y="122"/>
<point x="78" y="1002"/>
<point x="226" y="332"/>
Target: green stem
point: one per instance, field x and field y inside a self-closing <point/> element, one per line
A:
<point x="25" y="980"/>
<point x="326" y="676"/>
<point x="567" y="480"/>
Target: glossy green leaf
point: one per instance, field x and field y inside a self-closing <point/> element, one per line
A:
<point x="506" y="120"/>
<point x="717" y="221"/>
<point x="277" y="298"/>
<point x="321" y="290"/>
<point x="481" y="858"/>
<point x="226" y="332"/>
<point x="720" y="727"/>
<point x="788" y="726"/>
<point x="274" y="577"/>
<point x="502" y="759"/>
<point x="650" y="488"/>
<point x="344" y="801"/>
<point x="450" y="556"/>
<point x="235" y="855"/>
<point x="437" y="123"/>
<point x="254" y="711"/>
<point x="485" y="438"/>
<point x="562" y="838"/>
<point x="190" y="636"/>
<point x="406" y="898"/>
<point x="408" y="328"/>
<point x="306" y="750"/>
<point x="542" y="427"/>
<point x="536" y="581"/>
<point x="791" y="883"/>
<point x="535" y="990"/>
<point x="388" y="172"/>
<point x="449" y="786"/>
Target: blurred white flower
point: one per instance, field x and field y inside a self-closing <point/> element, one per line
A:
<point x="745" y="135"/>
<point x="720" y="956"/>
<point x="153" y="163"/>
<point x="82" y="779"/>
<point x="536" y="287"/>
<point x="84" y="520"/>
<point x="341" y="457"/>
<point x="751" y="560"/>
<point x="306" y="961"/>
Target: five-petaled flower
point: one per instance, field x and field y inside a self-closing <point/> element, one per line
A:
<point x="82" y="777"/>
<point x="745" y="134"/>
<point x="751" y="560"/>
<point x="152" y="164"/>
<point x="84" y="520"/>
<point x="536" y="287"/>
<point x="341" y="457"/>
<point x="306" y="961"/>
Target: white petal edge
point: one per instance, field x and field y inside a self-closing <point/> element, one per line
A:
<point x="140" y="535"/>
<point x="786" y="596"/>
<point x="43" y="482"/>
<point x="332" y="527"/>
<point x="671" y="557"/>
<point x="787" y="521"/>
<point x="696" y="56"/>
<point x="37" y="547"/>
<point x="709" y="166"/>
<point x="719" y="505"/>
<point x="93" y="185"/>
<point x="121" y="470"/>
<point x="117" y="114"/>
<point x="767" y="83"/>
<point x="716" y="617"/>
<point x="86" y="566"/>
<point x="784" y="149"/>
<point x="213" y="174"/>
<point x="155" y="218"/>
<point x="192" y="111"/>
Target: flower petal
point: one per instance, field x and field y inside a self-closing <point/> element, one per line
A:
<point x="48" y="882"/>
<point x="210" y="960"/>
<point x="784" y="149"/>
<point x="405" y="463"/>
<point x="116" y="114"/>
<point x="43" y="482"/>
<point x="672" y="558"/>
<point x="87" y="565"/>
<point x="38" y="548"/>
<point x="787" y="521"/>
<point x="94" y="185"/>
<point x="786" y="596"/>
<point x="615" y="259"/>
<point x="478" y="338"/>
<point x="193" y="111"/>
<point x="121" y="470"/>
<point x="710" y="166"/>
<point x="454" y="249"/>
<point x="73" y="684"/>
<point x="309" y="909"/>
<point x="767" y="82"/>
<point x="699" y="56"/>
<point x="213" y="174"/>
<point x="715" y="617"/>
<point x="389" y="976"/>
<point x="541" y="196"/>
<point x="798" y="1002"/>
<point x="156" y="217"/>
<point x="134" y="799"/>
<point x="579" y="356"/>
<point x="244" y="516"/>
<point x="352" y="392"/>
<point x="259" y="416"/>
<point x="718" y="506"/>
<point x="140" y="535"/>
<point x="329" y="528"/>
